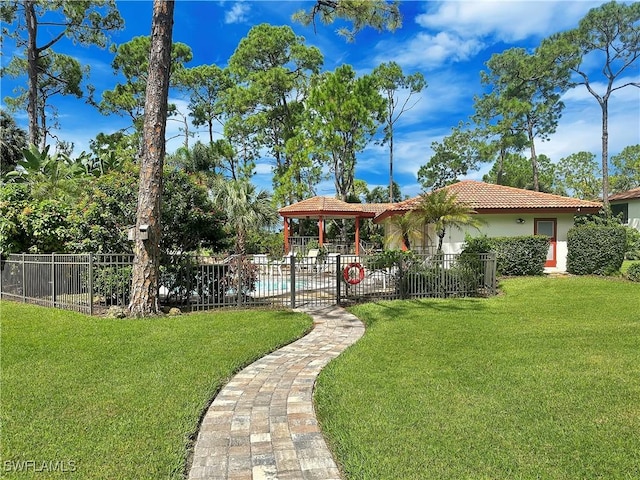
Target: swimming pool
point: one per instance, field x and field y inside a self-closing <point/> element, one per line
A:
<point x="277" y="285"/>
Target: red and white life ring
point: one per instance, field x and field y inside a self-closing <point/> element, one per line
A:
<point x="353" y="273"/>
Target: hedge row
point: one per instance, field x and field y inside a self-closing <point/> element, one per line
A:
<point x="515" y="256"/>
<point x="595" y="249"/>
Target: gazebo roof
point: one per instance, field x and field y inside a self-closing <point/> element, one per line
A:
<point x="318" y="206"/>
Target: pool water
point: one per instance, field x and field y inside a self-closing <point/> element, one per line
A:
<point x="277" y="285"/>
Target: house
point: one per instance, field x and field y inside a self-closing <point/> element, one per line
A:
<point x="503" y="211"/>
<point x="627" y="203"/>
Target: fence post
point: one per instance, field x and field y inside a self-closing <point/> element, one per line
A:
<point x="240" y="274"/>
<point x="401" y="276"/>
<point x="292" y="279"/>
<point x="24" y="280"/>
<point x="53" y="280"/>
<point x="338" y="280"/>
<point x="90" y="284"/>
<point x="494" y="272"/>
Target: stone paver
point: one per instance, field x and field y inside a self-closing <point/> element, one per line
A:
<point x="262" y="424"/>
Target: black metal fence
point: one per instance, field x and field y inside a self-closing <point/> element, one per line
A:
<point x="92" y="283"/>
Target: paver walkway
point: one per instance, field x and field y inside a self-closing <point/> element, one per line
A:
<point x="262" y="424"/>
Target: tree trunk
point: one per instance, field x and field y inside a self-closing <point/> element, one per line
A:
<point x="441" y="234"/>
<point x="605" y="156"/>
<point x="32" y="69"/>
<point x="534" y="159"/>
<point x="391" y="167"/>
<point x="145" y="278"/>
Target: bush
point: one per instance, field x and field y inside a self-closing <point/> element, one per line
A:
<point x="632" y="249"/>
<point x="595" y="249"/>
<point x="633" y="273"/>
<point x="515" y="256"/>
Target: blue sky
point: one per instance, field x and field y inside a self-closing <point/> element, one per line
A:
<point x="448" y="42"/>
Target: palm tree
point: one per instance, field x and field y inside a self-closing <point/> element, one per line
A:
<point x="245" y="208"/>
<point x="404" y="230"/>
<point x="442" y="210"/>
<point x="54" y="176"/>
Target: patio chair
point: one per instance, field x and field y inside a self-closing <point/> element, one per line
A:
<point x="310" y="261"/>
<point x="262" y="261"/>
<point x="285" y="262"/>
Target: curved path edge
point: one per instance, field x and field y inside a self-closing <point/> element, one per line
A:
<point x="262" y="424"/>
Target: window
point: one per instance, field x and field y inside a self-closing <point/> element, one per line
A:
<point x="621" y="208"/>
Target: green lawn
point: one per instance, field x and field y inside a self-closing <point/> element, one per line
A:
<point x="119" y="399"/>
<point x="540" y="382"/>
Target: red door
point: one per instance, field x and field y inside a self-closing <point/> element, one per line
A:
<point x="548" y="227"/>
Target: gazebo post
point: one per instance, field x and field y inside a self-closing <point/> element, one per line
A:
<point x="286" y="235"/>
<point x="321" y="231"/>
<point x="357" y="235"/>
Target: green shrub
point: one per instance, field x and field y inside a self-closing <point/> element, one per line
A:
<point x="595" y="249"/>
<point x="633" y="272"/>
<point x="113" y="284"/>
<point x="632" y="249"/>
<point x="515" y="256"/>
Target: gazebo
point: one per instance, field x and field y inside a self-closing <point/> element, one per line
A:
<point x="323" y="208"/>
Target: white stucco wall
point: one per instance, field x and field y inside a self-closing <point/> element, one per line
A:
<point x="506" y="225"/>
<point x="634" y="213"/>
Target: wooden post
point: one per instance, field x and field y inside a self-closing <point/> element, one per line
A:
<point x="357" y="235"/>
<point x="321" y="232"/>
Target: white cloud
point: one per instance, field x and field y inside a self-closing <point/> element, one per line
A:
<point x="428" y="51"/>
<point x="237" y="14"/>
<point x="506" y="21"/>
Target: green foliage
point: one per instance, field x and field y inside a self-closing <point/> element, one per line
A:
<point x="245" y="209"/>
<point x="99" y="220"/>
<point x="581" y="174"/>
<point x="608" y="34"/>
<point x="595" y="249"/>
<point x="521" y="255"/>
<point x="13" y="140"/>
<point x="345" y="112"/>
<point x="515" y="256"/>
<point x="271" y="68"/>
<point x="524" y="99"/>
<point x="626" y="169"/>
<point x="378" y="14"/>
<point x="633" y="272"/>
<point x="114" y="282"/>
<point x="632" y="248"/>
<point x="390" y="258"/>
<point x="131" y="60"/>
<point x="514" y="170"/>
<point x="34" y="226"/>
<point x="442" y="210"/>
<point x="481" y="244"/>
<point x="452" y="159"/>
<point x="190" y="220"/>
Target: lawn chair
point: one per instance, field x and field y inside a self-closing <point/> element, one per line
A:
<point x="285" y="262"/>
<point x="310" y="261"/>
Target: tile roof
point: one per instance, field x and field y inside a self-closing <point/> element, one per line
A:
<point x="328" y="206"/>
<point x="491" y="198"/>
<point x="628" y="195"/>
